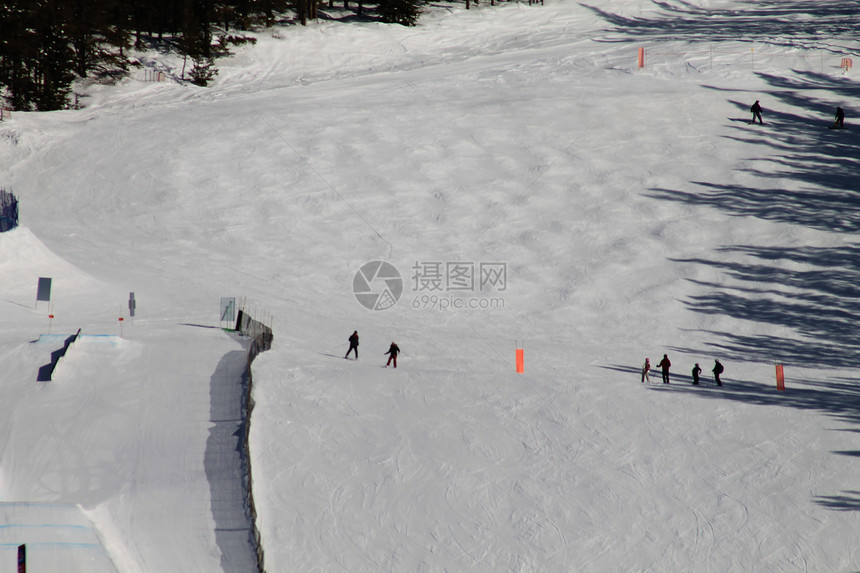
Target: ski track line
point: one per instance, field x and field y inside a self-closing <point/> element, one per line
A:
<point x="652" y="485"/>
<point x="336" y="531"/>
<point x="697" y="517"/>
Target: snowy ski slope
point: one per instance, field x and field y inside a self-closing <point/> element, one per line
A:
<point x="635" y="212"/>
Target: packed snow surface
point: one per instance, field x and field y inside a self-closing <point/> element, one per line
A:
<point x="535" y="189"/>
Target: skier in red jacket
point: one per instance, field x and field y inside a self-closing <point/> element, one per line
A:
<point x="393" y="351"/>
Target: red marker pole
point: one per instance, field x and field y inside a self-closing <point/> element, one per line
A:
<point x="50" y="320"/>
<point x="780" y="378"/>
<point x="120" y="326"/>
<point x="641" y="58"/>
<point x="521" y="360"/>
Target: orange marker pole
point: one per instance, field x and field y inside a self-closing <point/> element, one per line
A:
<point x="780" y="378"/>
<point x="641" y="58"/>
<point x="521" y="361"/>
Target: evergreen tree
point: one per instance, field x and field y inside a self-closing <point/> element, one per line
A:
<point x="52" y="68"/>
<point x="305" y="10"/>
<point x="35" y="57"/>
<point x="118" y="30"/>
<point x="80" y="25"/>
<point x="203" y="71"/>
<point x="45" y="44"/>
<point x="16" y="47"/>
<point x="403" y="12"/>
<point x="269" y="7"/>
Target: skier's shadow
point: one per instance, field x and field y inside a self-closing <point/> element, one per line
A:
<point x="331" y="355"/>
<point x="679" y="380"/>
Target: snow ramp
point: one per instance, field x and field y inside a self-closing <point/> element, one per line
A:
<point x="58" y="537"/>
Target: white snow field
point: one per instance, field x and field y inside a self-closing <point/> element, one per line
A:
<point x="634" y="212"/>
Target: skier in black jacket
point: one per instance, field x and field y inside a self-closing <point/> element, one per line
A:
<point x="718" y="369"/>
<point x="840" y="118"/>
<point x="756" y="111"/>
<point x="353" y="345"/>
<point x="696" y="372"/>
<point x="664" y="365"/>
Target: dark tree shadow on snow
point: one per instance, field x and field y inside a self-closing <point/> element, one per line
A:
<point x="848" y="501"/>
<point x="805" y="298"/>
<point x="808" y="176"/>
<point x="838" y="398"/>
<point x="813" y="291"/>
<point x="796" y="147"/>
<point x="777" y="22"/>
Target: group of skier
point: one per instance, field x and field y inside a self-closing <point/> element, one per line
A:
<point x="392" y="353"/>
<point x="838" y="124"/>
<point x="665" y="364"/>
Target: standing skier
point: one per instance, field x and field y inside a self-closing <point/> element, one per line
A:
<point x="718" y="369"/>
<point x="756" y="111"/>
<point x="393" y="351"/>
<point x="353" y="345"/>
<point x="664" y="365"/>
<point x="840" y="118"/>
<point x="696" y="372"/>
<point x="646" y="369"/>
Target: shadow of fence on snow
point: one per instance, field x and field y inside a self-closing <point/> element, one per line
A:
<point x="261" y="338"/>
